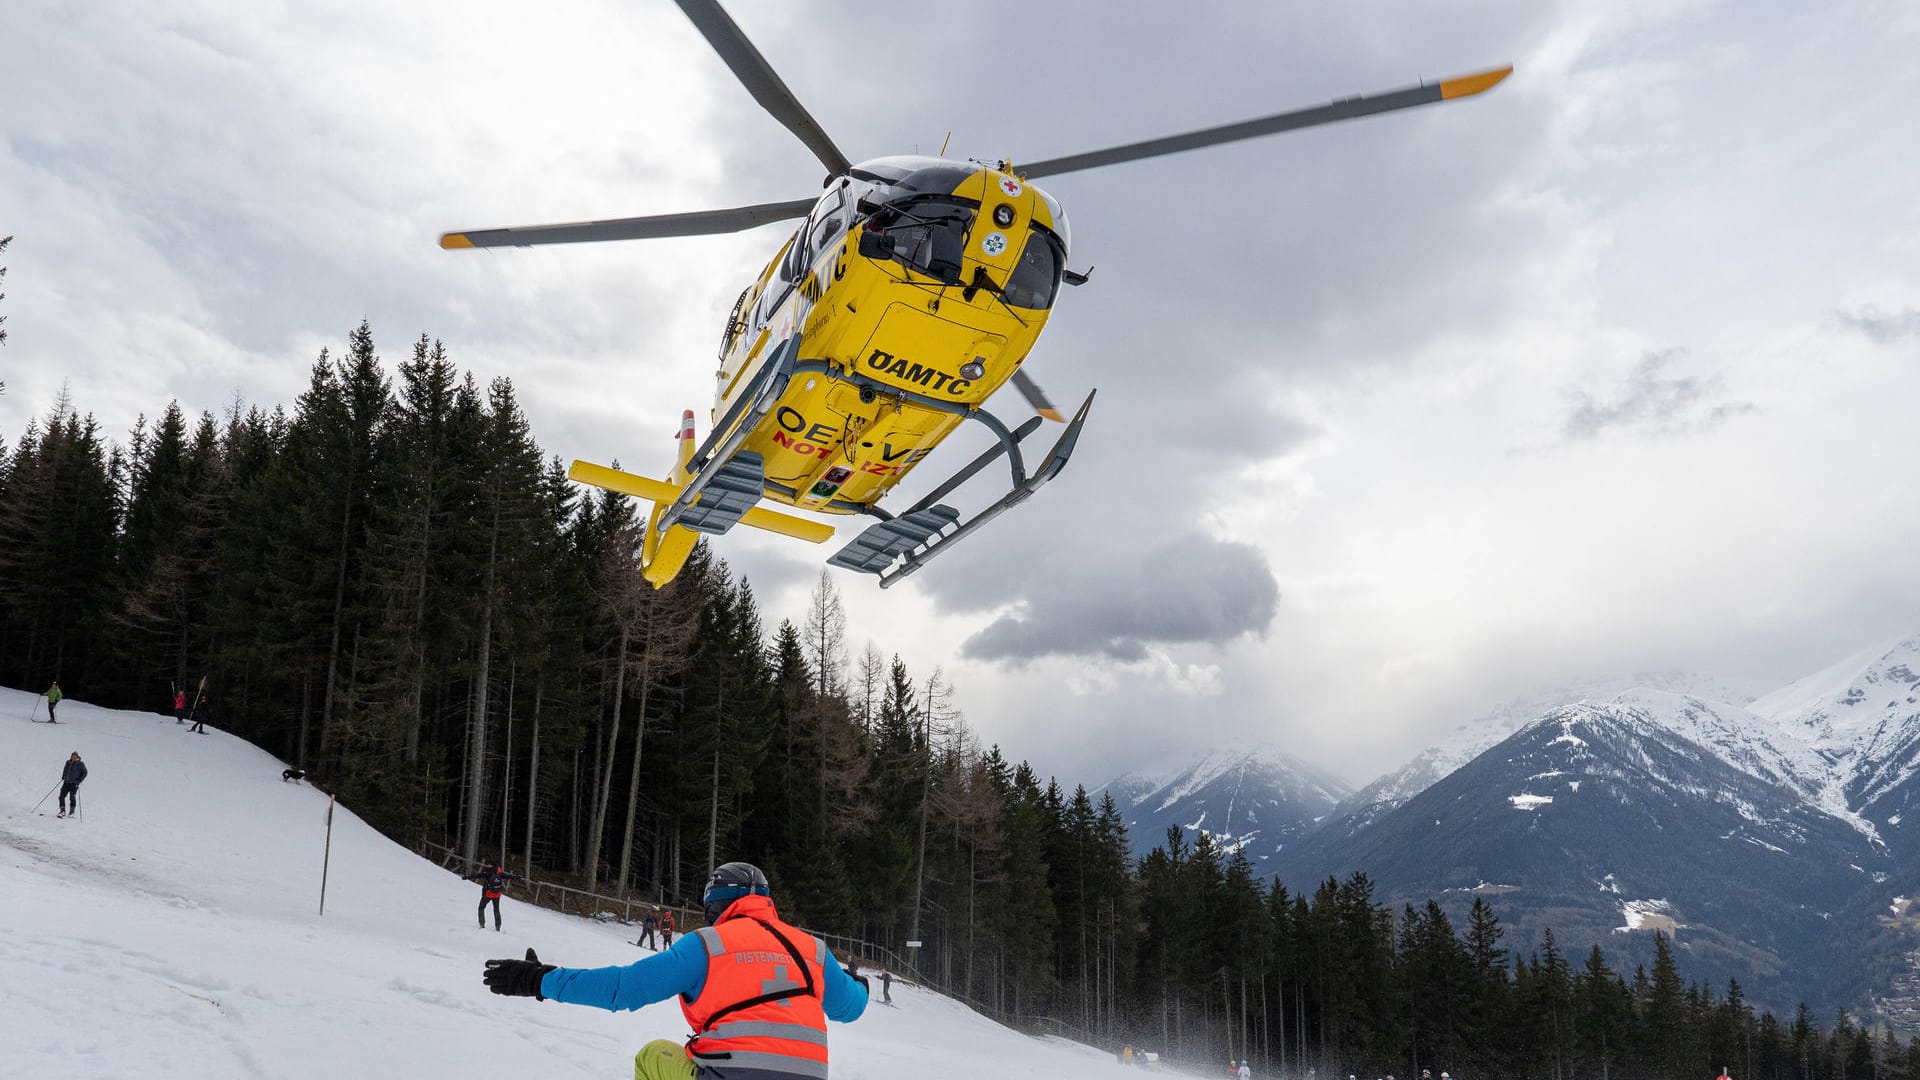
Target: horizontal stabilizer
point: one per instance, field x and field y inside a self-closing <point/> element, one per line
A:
<point x="659" y="491"/>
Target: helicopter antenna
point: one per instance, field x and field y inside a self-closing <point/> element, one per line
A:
<point x="944" y="142"/>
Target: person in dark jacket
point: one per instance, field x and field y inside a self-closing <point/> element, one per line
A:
<point x="70" y="778"/>
<point x="886" y="988"/>
<point x="757" y="991"/>
<point x="199" y="715"/>
<point x="649" y="923"/>
<point x="493" y="882"/>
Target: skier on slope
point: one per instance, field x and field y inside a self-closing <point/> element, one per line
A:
<point x="199" y="715"/>
<point x="70" y="777"/>
<point x="179" y="706"/>
<point x="1246" y="1070"/>
<point x="757" y="992"/>
<point x="649" y="923"/>
<point x="54" y="697"/>
<point x="493" y="883"/>
<point x="666" y="928"/>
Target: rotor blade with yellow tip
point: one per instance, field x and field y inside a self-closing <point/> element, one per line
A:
<point x="653" y="227"/>
<point x="660" y="491"/>
<point x="1345" y="109"/>
<point x="1036" y="397"/>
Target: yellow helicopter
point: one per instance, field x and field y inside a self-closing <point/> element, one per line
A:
<point x="912" y="291"/>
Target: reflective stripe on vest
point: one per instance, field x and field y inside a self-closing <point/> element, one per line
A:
<point x="751" y="1062"/>
<point x="738" y="1029"/>
<point x="746" y="961"/>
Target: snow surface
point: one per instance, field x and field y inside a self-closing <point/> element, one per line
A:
<point x="172" y="930"/>
<point x="1647" y="915"/>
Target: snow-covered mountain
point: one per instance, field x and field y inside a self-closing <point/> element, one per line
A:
<point x="1253" y="800"/>
<point x="1768" y="836"/>
<point x="1474" y="737"/>
<point x="1861" y="719"/>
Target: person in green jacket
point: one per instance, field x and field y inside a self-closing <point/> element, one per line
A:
<point x="53" y="698"/>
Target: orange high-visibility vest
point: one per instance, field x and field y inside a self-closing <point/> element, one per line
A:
<point x="760" y="1009"/>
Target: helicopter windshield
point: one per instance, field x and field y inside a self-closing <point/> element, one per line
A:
<point x="929" y="235"/>
<point x="1037" y="275"/>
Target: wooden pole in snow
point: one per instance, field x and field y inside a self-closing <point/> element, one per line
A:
<point x="326" y="858"/>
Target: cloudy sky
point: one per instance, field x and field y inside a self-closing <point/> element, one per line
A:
<point x="1615" y="368"/>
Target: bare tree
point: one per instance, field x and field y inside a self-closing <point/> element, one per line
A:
<point x="869" y="677"/>
<point x="622" y="593"/>
<point x="665" y="627"/>
<point x="4" y="241"/>
<point x="826" y="636"/>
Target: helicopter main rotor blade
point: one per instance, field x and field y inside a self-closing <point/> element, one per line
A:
<point x="697" y="223"/>
<point x="1035" y="397"/>
<point x="1346" y="109"/>
<point x="761" y="80"/>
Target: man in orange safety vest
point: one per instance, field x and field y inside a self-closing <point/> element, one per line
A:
<point x="757" y="992"/>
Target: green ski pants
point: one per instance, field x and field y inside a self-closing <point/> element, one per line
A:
<point x="662" y="1059"/>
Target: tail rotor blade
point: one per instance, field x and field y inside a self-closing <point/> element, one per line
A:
<point x="761" y="80"/>
<point x="1346" y="109"/>
<point x="697" y="223"/>
<point x="1036" y="397"/>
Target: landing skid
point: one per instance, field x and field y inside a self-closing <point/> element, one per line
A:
<point x="723" y="483"/>
<point x="930" y="527"/>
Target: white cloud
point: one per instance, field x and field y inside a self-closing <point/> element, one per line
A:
<point x="1337" y="352"/>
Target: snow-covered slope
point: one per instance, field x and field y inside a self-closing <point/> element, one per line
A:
<point x="172" y="930"/>
<point x="1253" y="800"/>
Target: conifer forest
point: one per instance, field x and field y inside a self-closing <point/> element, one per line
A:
<point x="389" y="584"/>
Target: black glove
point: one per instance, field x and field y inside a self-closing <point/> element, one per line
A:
<point x="517" y="978"/>
<point x="856" y="977"/>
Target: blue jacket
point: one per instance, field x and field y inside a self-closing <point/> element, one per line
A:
<point x="680" y="970"/>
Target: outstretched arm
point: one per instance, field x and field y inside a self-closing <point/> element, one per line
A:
<point x="680" y="970"/>
<point x="843" y="997"/>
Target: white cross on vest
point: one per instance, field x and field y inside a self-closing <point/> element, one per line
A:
<point x="778" y="983"/>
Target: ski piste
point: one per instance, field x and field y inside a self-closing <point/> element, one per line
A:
<point x="207" y="868"/>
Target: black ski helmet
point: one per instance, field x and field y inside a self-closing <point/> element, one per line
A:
<point x="729" y="883"/>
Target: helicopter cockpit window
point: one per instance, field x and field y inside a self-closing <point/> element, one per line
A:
<point x="1036" y="277"/>
<point x="824" y="225"/>
<point x="781" y="285"/>
<point x="929" y="235"/>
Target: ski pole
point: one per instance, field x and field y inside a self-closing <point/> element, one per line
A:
<point x="44" y="798"/>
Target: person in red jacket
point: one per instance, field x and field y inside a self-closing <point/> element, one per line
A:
<point x="757" y="992"/>
<point x="179" y="706"/>
<point x="666" y="928"/>
<point x="493" y="882"/>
